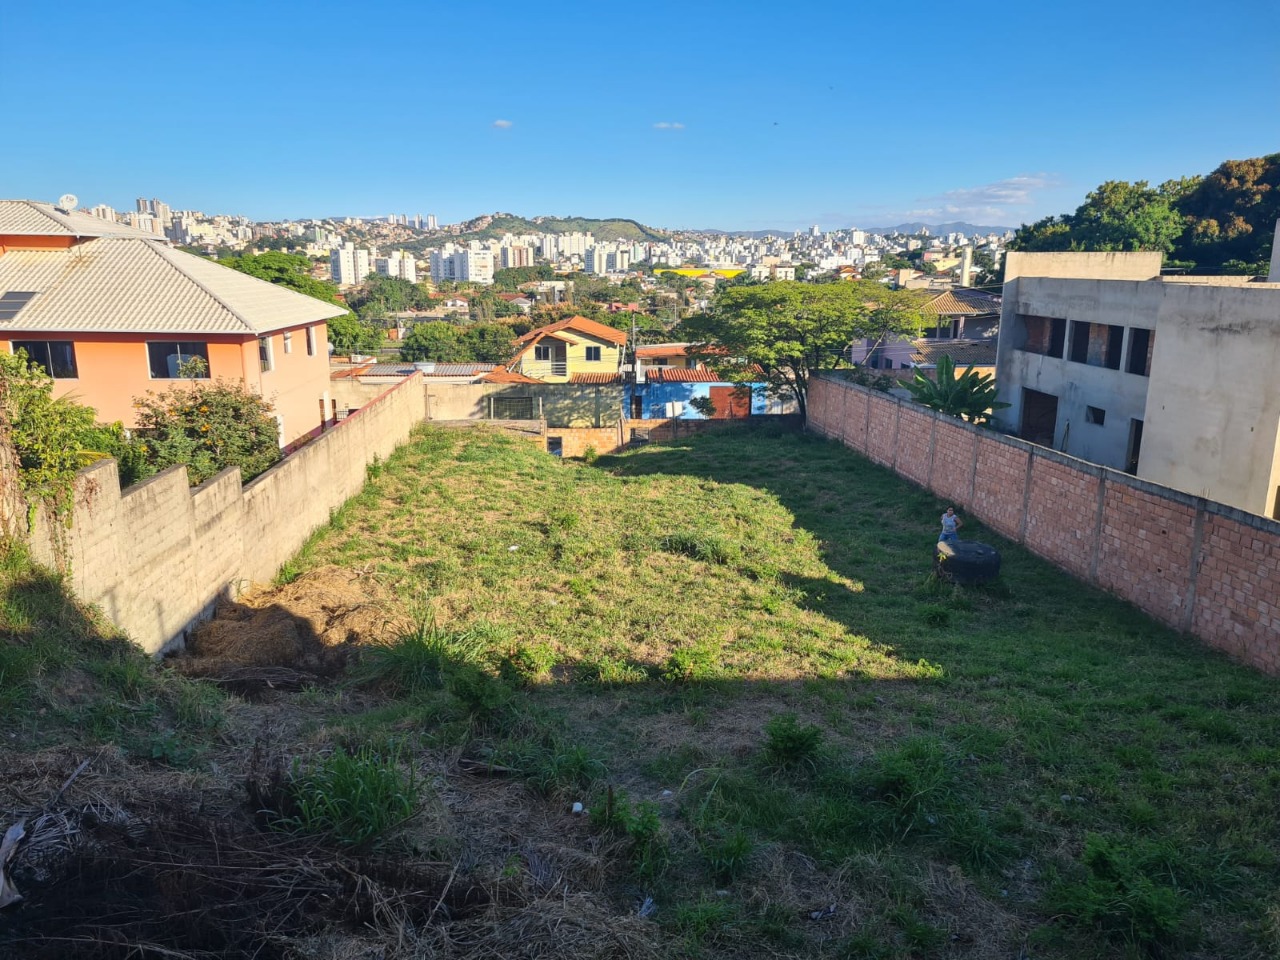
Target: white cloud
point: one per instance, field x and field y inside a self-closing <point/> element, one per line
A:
<point x="1006" y="200"/>
<point x="503" y="124"/>
<point x="668" y="125"/>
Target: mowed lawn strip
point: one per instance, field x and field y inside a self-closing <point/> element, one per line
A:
<point x="747" y="620"/>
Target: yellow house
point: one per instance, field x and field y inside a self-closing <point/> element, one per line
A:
<point x="576" y="350"/>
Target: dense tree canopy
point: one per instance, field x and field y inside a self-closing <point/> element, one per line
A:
<point x="446" y="342"/>
<point x="1221" y="223"/>
<point x="783" y="332"/>
<point x="1116" y="216"/>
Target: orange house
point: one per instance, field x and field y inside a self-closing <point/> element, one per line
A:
<point x="111" y="313"/>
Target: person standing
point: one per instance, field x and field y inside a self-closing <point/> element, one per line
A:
<point x="951" y="525"/>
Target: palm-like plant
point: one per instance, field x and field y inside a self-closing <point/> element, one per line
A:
<point x="970" y="396"/>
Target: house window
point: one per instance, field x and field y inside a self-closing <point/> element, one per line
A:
<point x="542" y="352"/>
<point x="56" y="357"/>
<point x="1141" y="344"/>
<point x="1097" y="344"/>
<point x="311" y="341"/>
<point x="166" y="360"/>
<point x="593" y="354"/>
<point x="288" y="341"/>
<point x="264" y="354"/>
<point x="1043" y="335"/>
<point x="1095" y="415"/>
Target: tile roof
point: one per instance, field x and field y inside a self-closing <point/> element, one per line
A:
<point x="664" y="350"/>
<point x="582" y="325"/>
<point x="963" y="301"/>
<point x="595" y="378"/>
<point x="128" y="285"/>
<point x="458" y="369"/>
<point x="507" y="376"/>
<point x="979" y="353"/>
<point x="31" y="218"/>
<point x="681" y="375"/>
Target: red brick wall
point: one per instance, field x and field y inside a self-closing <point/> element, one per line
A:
<point x="1062" y="515"/>
<point x="1238" y="590"/>
<point x="915" y="432"/>
<point x="882" y="427"/>
<point x="1196" y="565"/>
<point x="1144" y="550"/>
<point x="953" y="473"/>
<point x="999" y="485"/>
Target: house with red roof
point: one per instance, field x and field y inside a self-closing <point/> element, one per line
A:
<point x="573" y="350"/>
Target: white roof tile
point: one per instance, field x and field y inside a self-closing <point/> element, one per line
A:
<point x="126" y="285"/>
<point x="34" y="219"/>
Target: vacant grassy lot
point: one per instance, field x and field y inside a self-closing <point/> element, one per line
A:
<point x="748" y="621"/>
<point x="789" y="739"/>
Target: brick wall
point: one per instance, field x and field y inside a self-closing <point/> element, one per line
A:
<point x="575" y="440"/>
<point x="1199" y="566"/>
<point x="157" y="556"/>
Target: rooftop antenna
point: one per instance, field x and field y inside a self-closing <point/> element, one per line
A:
<point x="67" y="202"/>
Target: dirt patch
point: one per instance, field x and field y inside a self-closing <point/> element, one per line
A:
<point x="311" y="625"/>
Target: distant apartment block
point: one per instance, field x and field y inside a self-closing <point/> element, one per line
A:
<point x="472" y="265"/>
<point x="348" y="264"/>
<point x="398" y="264"/>
<point x="1172" y="379"/>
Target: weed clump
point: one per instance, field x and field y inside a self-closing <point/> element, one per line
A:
<point x="352" y="798"/>
<point x="1119" y="896"/>
<point x="705" y="547"/>
<point x="789" y="744"/>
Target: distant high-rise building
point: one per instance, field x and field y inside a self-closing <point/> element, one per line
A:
<point x="348" y="265"/>
<point x="516" y="255"/>
<point x="814" y="231"/>
<point x="161" y="211"/>
<point x="431" y="222"/>
<point x="417" y="221"/>
<point x="473" y="264"/>
<point x="143" y="206"/>
<point x="103" y="212"/>
<point x="397" y="264"/>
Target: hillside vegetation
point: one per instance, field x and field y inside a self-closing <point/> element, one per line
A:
<point x="788" y="740"/>
<point x="1222" y="222"/>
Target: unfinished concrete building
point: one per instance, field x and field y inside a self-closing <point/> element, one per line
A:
<point x="1173" y="379"/>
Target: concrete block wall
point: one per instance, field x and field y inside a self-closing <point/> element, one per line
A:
<point x="157" y="557"/>
<point x="1202" y="567"/>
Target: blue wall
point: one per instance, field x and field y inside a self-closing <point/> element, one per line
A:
<point x="656" y="396"/>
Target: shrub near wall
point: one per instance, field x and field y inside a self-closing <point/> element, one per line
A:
<point x="1197" y="565"/>
<point x="157" y="556"/>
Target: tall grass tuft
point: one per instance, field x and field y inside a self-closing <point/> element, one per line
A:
<point x="352" y="798"/>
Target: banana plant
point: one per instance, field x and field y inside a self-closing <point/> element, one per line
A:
<point x="970" y="395"/>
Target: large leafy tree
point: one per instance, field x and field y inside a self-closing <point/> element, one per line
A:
<point x="346" y="332"/>
<point x="1231" y="216"/>
<point x="1118" y="215"/>
<point x="969" y="396"/>
<point x="435" y="340"/>
<point x="783" y="332"/>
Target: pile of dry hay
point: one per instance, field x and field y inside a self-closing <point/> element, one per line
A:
<point x="287" y="636"/>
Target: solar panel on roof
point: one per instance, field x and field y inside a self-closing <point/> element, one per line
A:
<point x="12" y="302"/>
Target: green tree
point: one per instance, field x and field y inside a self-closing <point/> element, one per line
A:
<point x="1117" y="215"/>
<point x="1231" y="216"/>
<point x="49" y="436"/>
<point x="208" y="426"/>
<point x="968" y="396"/>
<point x="783" y="332"/>
<point x="435" y="340"/>
<point x="489" y="342"/>
<point x="347" y="334"/>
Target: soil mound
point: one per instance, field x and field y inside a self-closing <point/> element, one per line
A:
<point x="309" y="627"/>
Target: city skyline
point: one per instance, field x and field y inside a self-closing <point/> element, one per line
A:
<point x="680" y="119"/>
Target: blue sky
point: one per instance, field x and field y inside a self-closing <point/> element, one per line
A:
<point x="738" y="116"/>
